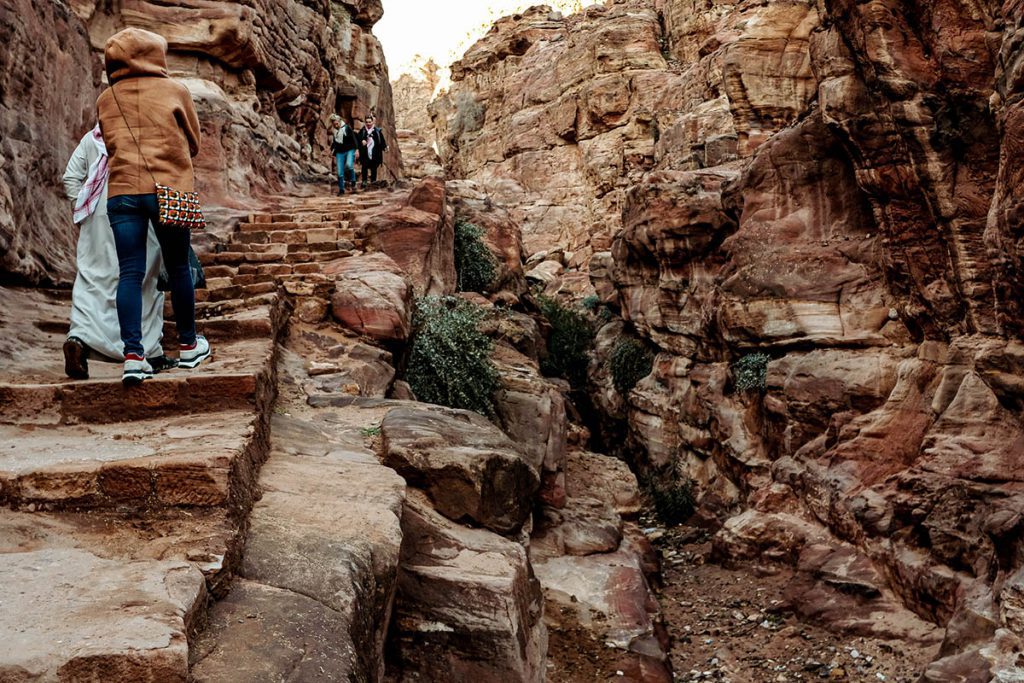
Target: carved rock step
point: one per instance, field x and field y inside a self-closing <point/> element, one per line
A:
<point x="226" y="290"/>
<point x="194" y="460"/>
<point x="330" y="503"/>
<point x="209" y="538"/>
<point x="269" y="305"/>
<point x="238" y="377"/>
<point x="291" y="225"/>
<point x="315" y="233"/>
<point x="71" y="616"/>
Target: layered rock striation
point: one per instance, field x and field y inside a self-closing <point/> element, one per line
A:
<point x="834" y="186"/>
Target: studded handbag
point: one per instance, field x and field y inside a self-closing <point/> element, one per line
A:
<point x="177" y="208"/>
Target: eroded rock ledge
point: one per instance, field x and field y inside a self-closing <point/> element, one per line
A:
<point x="833" y="185"/>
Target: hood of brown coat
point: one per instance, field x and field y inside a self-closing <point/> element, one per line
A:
<point x="135" y="52"/>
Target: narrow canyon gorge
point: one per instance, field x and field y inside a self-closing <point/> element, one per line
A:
<point x="680" y="340"/>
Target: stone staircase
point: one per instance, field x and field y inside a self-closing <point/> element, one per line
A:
<point x="280" y="248"/>
<point x="123" y="510"/>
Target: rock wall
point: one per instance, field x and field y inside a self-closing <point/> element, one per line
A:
<point x="265" y="75"/>
<point x="412" y="101"/>
<point x="49" y="81"/>
<point x="559" y="116"/>
<point x="834" y="185"/>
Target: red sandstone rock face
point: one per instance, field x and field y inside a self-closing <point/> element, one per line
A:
<point x="557" y="117"/>
<point x="49" y="80"/>
<point x="418" y="232"/>
<point x="838" y="186"/>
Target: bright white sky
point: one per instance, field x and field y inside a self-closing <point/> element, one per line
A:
<point x="442" y="30"/>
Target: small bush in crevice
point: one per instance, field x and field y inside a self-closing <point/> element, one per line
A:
<point x="629" y="363"/>
<point x="571" y="336"/>
<point x="449" y="362"/>
<point x="591" y="303"/>
<point x="751" y="372"/>
<point x="475" y="265"/>
<point x="671" y="496"/>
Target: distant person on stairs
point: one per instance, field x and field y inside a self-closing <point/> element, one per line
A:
<point x="372" y="146"/>
<point x="344" y="146"/>
<point x="94" y="326"/>
<point x="152" y="132"/>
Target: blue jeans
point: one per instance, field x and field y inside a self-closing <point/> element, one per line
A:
<point x="130" y="216"/>
<point x="346" y="168"/>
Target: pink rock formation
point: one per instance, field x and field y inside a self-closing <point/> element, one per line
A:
<point x="834" y="185"/>
<point x="49" y="79"/>
<point x="372" y="297"/>
<point x="418" y="232"/>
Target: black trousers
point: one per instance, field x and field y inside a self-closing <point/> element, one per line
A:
<point x="371" y="171"/>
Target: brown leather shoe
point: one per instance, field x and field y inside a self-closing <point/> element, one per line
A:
<point x="76" y="358"/>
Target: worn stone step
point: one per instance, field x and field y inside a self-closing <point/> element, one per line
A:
<point x="220" y="271"/>
<point x="291" y="225"/>
<point x="313" y="247"/>
<point x="200" y="460"/>
<point x="69" y="615"/>
<point x="235" y="291"/>
<point x="328" y="500"/>
<point x="261" y="317"/>
<point x="240" y="375"/>
<point x="314" y="234"/>
<point x="245" y="253"/>
<point x="207" y="310"/>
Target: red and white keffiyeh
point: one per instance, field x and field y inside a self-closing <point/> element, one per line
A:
<point x="92" y="190"/>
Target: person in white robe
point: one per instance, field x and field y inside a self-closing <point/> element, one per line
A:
<point x="95" y="331"/>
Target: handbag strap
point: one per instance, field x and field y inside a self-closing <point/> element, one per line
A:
<point x="113" y="91"/>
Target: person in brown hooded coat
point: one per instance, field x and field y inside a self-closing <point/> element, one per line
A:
<point x="152" y="132"/>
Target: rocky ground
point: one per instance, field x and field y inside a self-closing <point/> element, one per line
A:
<point x="735" y="625"/>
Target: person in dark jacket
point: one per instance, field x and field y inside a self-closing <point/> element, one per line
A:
<point x="372" y="146"/>
<point x="344" y="146"/>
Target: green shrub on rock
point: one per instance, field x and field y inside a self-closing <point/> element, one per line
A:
<point x="450" y="363"/>
<point x="475" y="265"/>
<point x="629" y="363"/>
<point x="591" y="302"/>
<point x="671" y="496"/>
<point x="751" y="372"/>
<point x="571" y="337"/>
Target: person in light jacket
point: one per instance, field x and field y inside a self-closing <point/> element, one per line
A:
<point x="152" y="132"/>
<point x="94" y="327"/>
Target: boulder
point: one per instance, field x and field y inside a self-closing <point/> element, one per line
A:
<point x="372" y="297"/>
<point x="583" y="526"/>
<point x="531" y="410"/>
<point x="470" y="470"/>
<point x="418" y="232"/>
<point x="468" y="605"/>
<point x="605" y="478"/>
<point x="608" y="595"/>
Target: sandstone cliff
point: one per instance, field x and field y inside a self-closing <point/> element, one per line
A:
<point x="837" y="186"/>
<point x="48" y="87"/>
